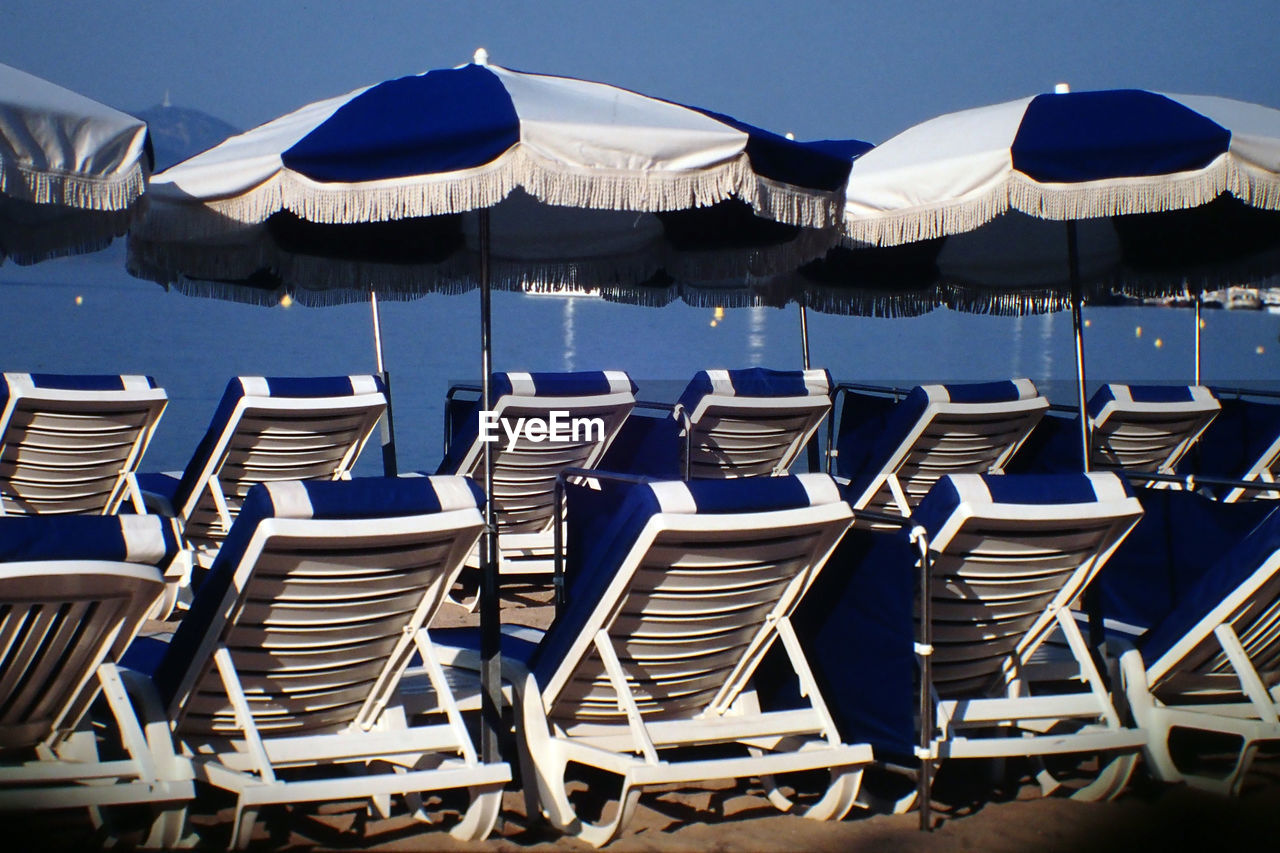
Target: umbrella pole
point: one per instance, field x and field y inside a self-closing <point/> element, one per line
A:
<point x="814" y="452"/>
<point x="490" y="627"/>
<point x="804" y="335"/>
<point x="1077" y="299"/>
<point x="387" y="431"/>
<point x="1198" y="295"/>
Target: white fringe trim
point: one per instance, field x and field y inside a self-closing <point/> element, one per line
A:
<point x="84" y="192"/>
<point x="487" y="185"/>
<point x="1226" y="174"/>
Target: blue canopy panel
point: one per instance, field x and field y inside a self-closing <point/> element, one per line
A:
<point x="1090" y="136"/>
<point x="441" y="121"/>
<point x="822" y="164"/>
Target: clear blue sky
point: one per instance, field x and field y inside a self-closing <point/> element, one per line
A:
<point x="819" y="68"/>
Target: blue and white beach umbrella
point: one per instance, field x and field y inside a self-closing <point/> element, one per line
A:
<point x="534" y="150"/>
<point x="1063" y="156"/>
<point x="71" y="169"/>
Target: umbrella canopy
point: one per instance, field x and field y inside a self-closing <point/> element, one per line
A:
<point x="412" y="160"/>
<point x="1167" y="192"/>
<point x="70" y="169"/>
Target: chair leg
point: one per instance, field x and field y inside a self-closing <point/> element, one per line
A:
<point x="481" y="814"/>
<point x="242" y="826"/>
<point x="166" y="829"/>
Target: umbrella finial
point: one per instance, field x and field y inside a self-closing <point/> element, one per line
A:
<point x="1062" y="88"/>
<point x="481" y="56"/>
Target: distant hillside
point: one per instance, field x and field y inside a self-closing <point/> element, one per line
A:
<point x="179" y="132"/>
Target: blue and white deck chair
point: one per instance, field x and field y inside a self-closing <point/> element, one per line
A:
<point x="1147" y="428"/>
<point x="1010" y="554"/>
<point x="891" y="453"/>
<point x="280" y="682"/>
<point x="266" y="430"/>
<point x="676" y="592"/>
<point x="1242" y="442"/>
<point x="729" y="423"/>
<point x="74" y="590"/>
<point x="588" y="408"/>
<point x="1213" y="664"/>
<point x="71" y="444"/>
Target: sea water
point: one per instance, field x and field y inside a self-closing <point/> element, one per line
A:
<point x="87" y="315"/>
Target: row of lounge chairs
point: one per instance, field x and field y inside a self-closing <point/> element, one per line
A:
<point x="297" y="645"/>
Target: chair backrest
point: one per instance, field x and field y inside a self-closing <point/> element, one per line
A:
<point x="1009" y="552"/>
<point x="750" y="423"/>
<point x="686" y="580"/>
<point x="74" y="590"/>
<point x="1242" y="442"/>
<point x="971" y="428"/>
<point x="1147" y="428"/>
<point x="67" y="443"/>
<point x="1241" y="590"/>
<point x="588" y="409"/>
<point x="271" y="429"/>
<point x="316" y="593"/>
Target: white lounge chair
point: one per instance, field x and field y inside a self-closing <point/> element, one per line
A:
<point x="280" y="682"/>
<point x="676" y="592"/>
<point x="1147" y="428"/>
<point x="588" y="407"/>
<point x="728" y="423"/>
<point x="74" y="591"/>
<point x="71" y="444"/>
<point x="265" y="430"/>
<point x="1009" y="556"/>
<point x="1213" y="664"/>
<point x="891" y="453"/>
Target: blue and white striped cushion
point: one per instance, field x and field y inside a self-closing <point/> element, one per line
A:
<point x="979" y="493"/>
<point x="179" y="491"/>
<point x="1126" y="394"/>
<point x="867" y="445"/>
<point x="585" y="383"/>
<point x="359" y="498"/>
<point x="605" y="524"/>
<point x="126" y="538"/>
<point x="18" y="384"/>
<point x="752" y="382"/>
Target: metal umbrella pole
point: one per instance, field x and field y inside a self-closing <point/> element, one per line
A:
<point x="1198" y="295"/>
<point x="490" y="628"/>
<point x="1077" y="298"/>
<point x="387" y="429"/>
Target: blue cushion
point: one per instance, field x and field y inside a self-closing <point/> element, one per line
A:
<point x="856" y="625"/>
<point x="604" y="525"/>
<point x="872" y="430"/>
<point x="1231" y="570"/>
<point x="1180" y="538"/>
<point x="126" y="538"/>
<point x="572" y="384"/>
<point x="277" y="386"/>
<point x="1234" y="442"/>
<point x="372" y="497"/>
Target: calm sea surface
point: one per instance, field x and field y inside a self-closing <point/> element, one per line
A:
<point x="86" y="315"/>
